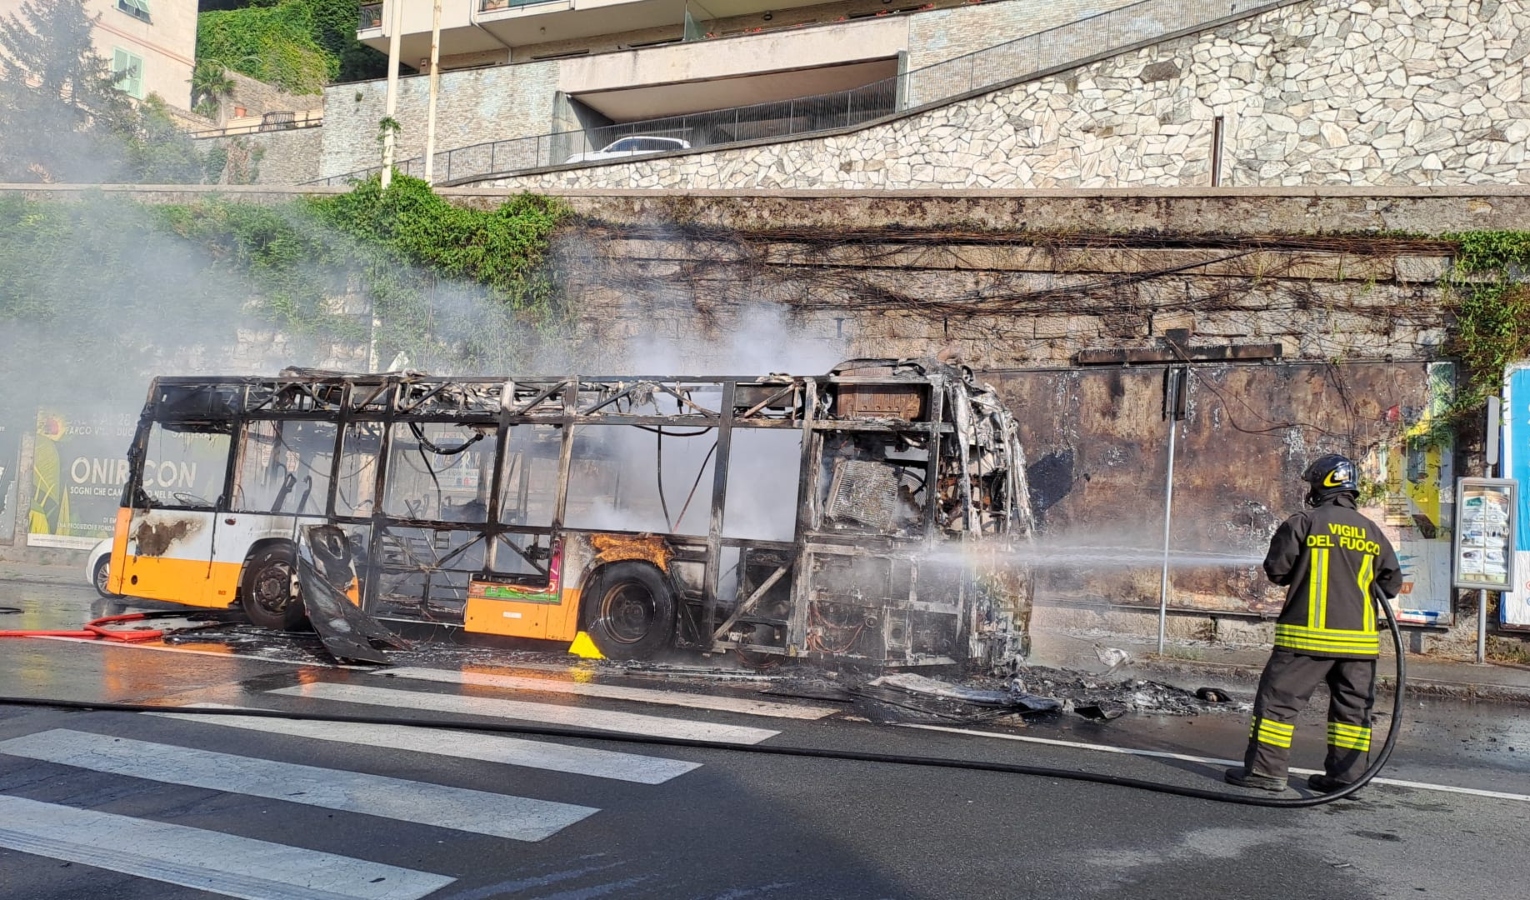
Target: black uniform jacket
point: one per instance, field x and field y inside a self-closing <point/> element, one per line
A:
<point x="1328" y="558"/>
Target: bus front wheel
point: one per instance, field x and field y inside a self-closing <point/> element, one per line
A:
<point x="630" y="611"/>
<point x="270" y="593"/>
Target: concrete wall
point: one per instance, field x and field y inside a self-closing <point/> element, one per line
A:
<point x="475" y="106"/>
<point x="1321" y="92"/>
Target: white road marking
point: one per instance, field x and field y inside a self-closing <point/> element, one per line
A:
<point x="487" y="748"/>
<point x="500" y="815"/>
<point x="613" y="692"/>
<point x="1211" y="760"/>
<point x="203" y="860"/>
<point x="549" y="713"/>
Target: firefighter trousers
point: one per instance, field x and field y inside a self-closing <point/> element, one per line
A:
<point x="1285" y="687"/>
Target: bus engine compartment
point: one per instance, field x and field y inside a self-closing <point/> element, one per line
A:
<point x="866" y="515"/>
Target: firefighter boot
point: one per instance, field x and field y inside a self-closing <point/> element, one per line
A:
<point x="1245" y="778"/>
<point x="1326" y="784"/>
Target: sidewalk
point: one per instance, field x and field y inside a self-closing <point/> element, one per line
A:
<point x="1200" y="664"/>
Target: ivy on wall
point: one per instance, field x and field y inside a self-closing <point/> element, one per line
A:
<point x="296" y="45"/>
<point x="1490" y="301"/>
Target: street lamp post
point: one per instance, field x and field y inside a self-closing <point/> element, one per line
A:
<point x="435" y="87"/>
<point x="391" y="103"/>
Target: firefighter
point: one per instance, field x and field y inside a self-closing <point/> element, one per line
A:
<point x="1328" y="557"/>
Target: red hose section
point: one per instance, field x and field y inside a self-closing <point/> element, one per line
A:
<point x="96" y="630"/>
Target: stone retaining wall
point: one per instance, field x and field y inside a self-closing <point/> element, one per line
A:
<point x="1381" y="92"/>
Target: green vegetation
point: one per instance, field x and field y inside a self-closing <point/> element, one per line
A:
<point x="1491" y="305"/>
<point x="296" y="45"/>
<point x="454" y="290"/>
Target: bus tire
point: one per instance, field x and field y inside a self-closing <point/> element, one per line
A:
<point x="269" y="593"/>
<point x="629" y="611"/>
<point x="100" y="576"/>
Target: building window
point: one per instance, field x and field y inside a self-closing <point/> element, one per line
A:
<point x="138" y="9"/>
<point x="127" y="72"/>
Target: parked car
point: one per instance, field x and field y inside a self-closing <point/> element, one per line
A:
<point x="98" y="568"/>
<point x="635" y="145"/>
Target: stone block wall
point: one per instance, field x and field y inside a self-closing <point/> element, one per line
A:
<point x="1364" y="92"/>
<point x="257" y="98"/>
<point x="474" y="106"/>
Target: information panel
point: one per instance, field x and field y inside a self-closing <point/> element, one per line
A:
<point x="1486" y="514"/>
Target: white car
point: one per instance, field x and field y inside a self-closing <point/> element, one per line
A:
<point x="632" y="146"/>
<point x="98" y="567"/>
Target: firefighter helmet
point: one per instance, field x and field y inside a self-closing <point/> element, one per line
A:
<point x="1329" y="476"/>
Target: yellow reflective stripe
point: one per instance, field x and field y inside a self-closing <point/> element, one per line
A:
<point x="1312" y="587"/>
<point x="1349" y="737"/>
<point x="1322" y="614"/>
<point x="1297" y="637"/>
<point x="1368" y="605"/>
<point x="1276" y="734"/>
<point x="1346" y="728"/>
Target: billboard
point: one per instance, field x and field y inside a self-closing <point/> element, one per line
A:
<point x="1414" y="502"/>
<point x="79" y="464"/>
<point x="1514" y="606"/>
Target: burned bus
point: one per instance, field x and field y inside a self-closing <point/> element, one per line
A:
<point x="860" y="516"/>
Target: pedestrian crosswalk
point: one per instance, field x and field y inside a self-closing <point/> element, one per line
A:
<point x="526" y="711"/>
<point x="205" y="860"/>
<point x="233" y="865"/>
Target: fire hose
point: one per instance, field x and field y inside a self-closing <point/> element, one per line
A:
<point x="96" y="629"/>
<point x="1371" y="771"/>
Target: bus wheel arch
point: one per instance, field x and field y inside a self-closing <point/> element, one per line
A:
<point x="628" y="609"/>
<point x="268" y="590"/>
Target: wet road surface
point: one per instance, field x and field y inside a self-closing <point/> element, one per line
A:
<point x="128" y="805"/>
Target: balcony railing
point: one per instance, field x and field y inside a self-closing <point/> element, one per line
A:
<point x="371" y="17"/>
<point x="1128" y="26"/>
<point x="494" y="5"/>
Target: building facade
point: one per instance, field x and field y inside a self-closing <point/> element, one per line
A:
<point x="149" y="44"/>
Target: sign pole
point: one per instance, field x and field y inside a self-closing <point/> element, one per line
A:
<point x="1482" y="627"/>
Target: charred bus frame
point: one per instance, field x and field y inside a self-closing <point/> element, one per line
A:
<point x="898" y="464"/>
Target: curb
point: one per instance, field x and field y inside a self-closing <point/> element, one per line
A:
<point x="1423" y="687"/>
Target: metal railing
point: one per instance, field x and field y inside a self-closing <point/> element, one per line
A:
<point x="493" y="5"/>
<point x="927" y="86"/>
<point x="371" y="17"/>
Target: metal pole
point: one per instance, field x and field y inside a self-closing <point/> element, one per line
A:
<point x="1168" y="510"/>
<point x="435" y="88"/>
<point x="390" y="105"/>
<point x="1175" y="386"/>
<point x="1482" y="627"/>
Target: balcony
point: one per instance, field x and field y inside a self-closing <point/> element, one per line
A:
<point x="371" y="17"/>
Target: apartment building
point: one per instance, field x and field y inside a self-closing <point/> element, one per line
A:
<point x="150" y="44"/>
<point x="559" y="80"/>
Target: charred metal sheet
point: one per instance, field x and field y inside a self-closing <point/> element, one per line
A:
<point x="326" y="574"/>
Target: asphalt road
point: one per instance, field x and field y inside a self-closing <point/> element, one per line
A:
<point x="125" y="805"/>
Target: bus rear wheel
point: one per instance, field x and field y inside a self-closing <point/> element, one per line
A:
<point x="269" y="594"/>
<point x="630" y="611"/>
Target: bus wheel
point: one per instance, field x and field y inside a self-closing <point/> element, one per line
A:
<point x="630" y="613"/>
<point x="270" y="594"/>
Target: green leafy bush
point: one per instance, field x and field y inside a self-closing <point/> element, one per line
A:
<point x="297" y="45"/>
<point x="1491" y="307"/>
